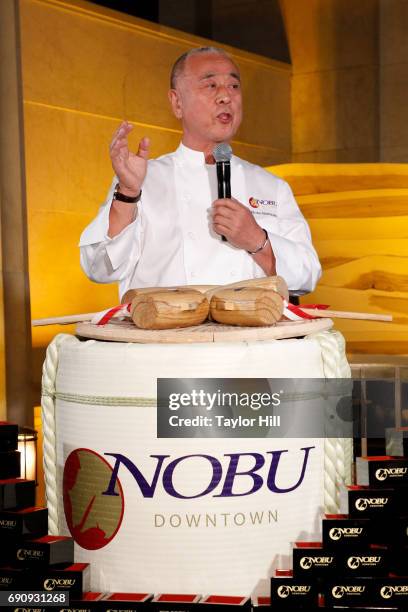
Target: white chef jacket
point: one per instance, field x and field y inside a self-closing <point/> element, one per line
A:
<point x="171" y="241"/>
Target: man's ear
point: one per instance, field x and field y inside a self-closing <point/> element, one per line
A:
<point x="175" y="101"/>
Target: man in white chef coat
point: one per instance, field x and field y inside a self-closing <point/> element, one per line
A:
<point x="162" y="222"/>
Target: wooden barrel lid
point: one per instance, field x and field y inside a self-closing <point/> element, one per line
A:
<point x="126" y="331"/>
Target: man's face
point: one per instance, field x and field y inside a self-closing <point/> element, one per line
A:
<point x="208" y="100"/>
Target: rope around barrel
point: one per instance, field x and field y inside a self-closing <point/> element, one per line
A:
<point x="332" y="345"/>
<point x="101" y="400"/>
<point x="347" y="442"/>
<point x="48" y="423"/>
<point x="338" y="452"/>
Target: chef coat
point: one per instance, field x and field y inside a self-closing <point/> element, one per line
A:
<point x="171" y="241"/>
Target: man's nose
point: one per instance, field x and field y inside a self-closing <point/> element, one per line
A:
<point x="223" y="95"/>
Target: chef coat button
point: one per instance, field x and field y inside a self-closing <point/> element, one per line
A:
<point x="233" y="272"/>
<point x="193" y="274"/>
<point x="186" y="197"/>
<point x="191" y="235"/>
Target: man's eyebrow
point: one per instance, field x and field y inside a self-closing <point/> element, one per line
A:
<point x="209" y="75"/>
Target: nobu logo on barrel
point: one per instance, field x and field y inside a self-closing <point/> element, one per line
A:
<point x="218" y="475"/>
<point x="93" y="519"/>
<point x="94" y="499"/>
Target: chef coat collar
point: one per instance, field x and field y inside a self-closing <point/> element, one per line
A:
<point x="190" y="156"/>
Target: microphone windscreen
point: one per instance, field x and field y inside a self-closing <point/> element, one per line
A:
<point x="222" y="152"/>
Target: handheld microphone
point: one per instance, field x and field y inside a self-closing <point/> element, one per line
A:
<point x="222" y="154"/>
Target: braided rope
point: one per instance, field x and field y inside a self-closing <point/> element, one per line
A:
<point x="48" y="424"/>
<point x="341" y="468"/>
<point x="329" y="346"/>
<point x="336" y="462"/>
<point x="337" y="451"/>
<point x="344" y="366"/>
<point x="348" y="460"/>
<point x="347" y="442"/>
<point x="329" y="484"/>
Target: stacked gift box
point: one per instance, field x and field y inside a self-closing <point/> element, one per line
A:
<point x="362" y="560"/>
<point x="30" y="559"/>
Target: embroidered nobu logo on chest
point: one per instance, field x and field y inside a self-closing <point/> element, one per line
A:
<point x="265" y="207"/>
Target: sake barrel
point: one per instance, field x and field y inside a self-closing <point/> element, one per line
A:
<point x="181" y="515"/>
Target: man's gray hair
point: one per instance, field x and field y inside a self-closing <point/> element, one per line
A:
<point x="179" y="64"/>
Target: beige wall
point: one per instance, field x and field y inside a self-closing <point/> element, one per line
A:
<point x="334" y="52"/>
<point x="393" y="80"/>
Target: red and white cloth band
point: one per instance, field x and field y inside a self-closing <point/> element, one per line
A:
<point x="295" y="313"/>
<point x="118" y="312"/>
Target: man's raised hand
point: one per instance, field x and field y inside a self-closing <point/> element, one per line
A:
<point x="130" y="168"/>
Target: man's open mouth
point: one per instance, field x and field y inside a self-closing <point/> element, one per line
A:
<point x="224" y="117"/>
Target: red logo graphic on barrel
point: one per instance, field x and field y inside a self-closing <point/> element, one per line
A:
<point x="93" y="518"/>
<point x="253" y="202"/>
